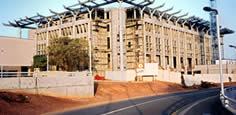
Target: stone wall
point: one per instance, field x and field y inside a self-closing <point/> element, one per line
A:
<point x="56" y="86"/>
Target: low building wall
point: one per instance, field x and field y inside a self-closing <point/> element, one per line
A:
<point x="214" y="78"/>
<point x="128" y="75"/>
<point x="168" y="76"/>
<point x="56" y="86"/>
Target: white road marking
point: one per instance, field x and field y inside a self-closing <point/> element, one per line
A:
<point x="121" y="109"/>
<point x="196" y="103"/>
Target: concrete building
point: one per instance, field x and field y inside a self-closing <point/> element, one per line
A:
<point x="149" y="35"/>
<point x="16" y="54"/>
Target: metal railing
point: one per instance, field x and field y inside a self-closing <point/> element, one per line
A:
<point x="229" y="99"/>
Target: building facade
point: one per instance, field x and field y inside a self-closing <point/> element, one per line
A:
<point x="16" y="55"/>
<point x="149" y="35"/>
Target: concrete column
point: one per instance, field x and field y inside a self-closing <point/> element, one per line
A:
<point x="36" y="39"/>
<point x="223" y="48"/>
<point x="60" y="27"/>
<point x="163" y="47"/>
<point x="204" y="46"/>
<point x="178" y="57"/>
<point x="135" y="14"/>
<point x="194" y="52"/>
<point x="121" y="38"/>
<point x="20" y="32"/>
<point x="185" y="54"/>
<point x="210" y="51"/>
<point x="144" y="42"/>
<point x="171" y="49"/>
<point x="73" y="31"/>
<point x="105" y="15"/>
<point x="47" y="46"/>
<point x="154" y="44"/>
<point x="144" y="35"/>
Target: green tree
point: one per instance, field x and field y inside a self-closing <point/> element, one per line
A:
<point x="40" y="62"/>
<point x="68" y="54"/>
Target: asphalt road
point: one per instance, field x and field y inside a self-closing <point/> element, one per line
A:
<point x="202" y="102"/>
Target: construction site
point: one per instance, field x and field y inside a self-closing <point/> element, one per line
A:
<point x="119" y="38"/>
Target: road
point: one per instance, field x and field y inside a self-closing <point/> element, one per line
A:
<point x="202" y="102"/>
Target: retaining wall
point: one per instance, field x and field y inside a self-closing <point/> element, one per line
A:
<point x="56" y="86"/>
<point x="214" y="78"/>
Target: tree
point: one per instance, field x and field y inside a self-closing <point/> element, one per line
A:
<point x="40" y="62"/>
<point x="68" y="54"/>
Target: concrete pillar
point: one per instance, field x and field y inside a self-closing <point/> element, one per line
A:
<point x="209" y="61"/>
<point x="204" y="46"/>
<point x="20" y="32"/>
<point x="121" y="38"/>
<point x="135" y="14"/>
<point x="171" y="49"/>
<point x="185" y="54"/>
<point x="223" y="49"/>
<point x="144" y="42"/>
<point x="154" y="43"/>
<point x="163" y="47"/>
<point x="60" y="27"/>
<point x="47" y="46"/>
<point x="178" y="57"/>
<point x="194" y="52"/>
<point x="36" y="39"/>
<point x="73" y="28"/>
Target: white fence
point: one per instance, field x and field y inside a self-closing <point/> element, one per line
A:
<point x="50" y="83"/>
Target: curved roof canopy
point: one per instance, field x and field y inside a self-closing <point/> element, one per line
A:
<point x="83" y="7"/>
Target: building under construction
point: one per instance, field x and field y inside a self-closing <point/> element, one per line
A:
<point x="122" y="37"/>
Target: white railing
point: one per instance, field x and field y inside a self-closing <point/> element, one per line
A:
<point x="229" y="99"/>
<point x="41" y="74"/>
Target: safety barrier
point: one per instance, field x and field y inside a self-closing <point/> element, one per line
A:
<point x="229" y="99"/>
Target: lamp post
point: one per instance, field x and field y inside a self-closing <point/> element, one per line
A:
<point x="208" y="9"/>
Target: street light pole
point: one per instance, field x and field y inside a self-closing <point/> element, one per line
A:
<point x="220" y="59"/>
<point x="208" y="9"/>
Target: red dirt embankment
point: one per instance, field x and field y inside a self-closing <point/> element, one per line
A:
<point x="28" y="104"/>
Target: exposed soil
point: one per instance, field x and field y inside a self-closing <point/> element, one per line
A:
<point x="20" y="103"/>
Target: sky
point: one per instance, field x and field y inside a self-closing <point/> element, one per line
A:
<point x="11" y="10"/>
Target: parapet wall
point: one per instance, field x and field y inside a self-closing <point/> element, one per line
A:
<point x="55" y="86"/>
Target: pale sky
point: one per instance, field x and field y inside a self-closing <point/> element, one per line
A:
<point x="15" y="9"/>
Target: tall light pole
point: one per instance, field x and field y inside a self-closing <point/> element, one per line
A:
<point x="208" y="9"/>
